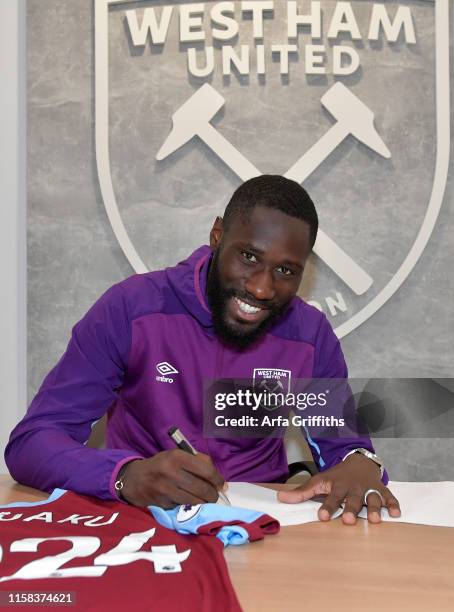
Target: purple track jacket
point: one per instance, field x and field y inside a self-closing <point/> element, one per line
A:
<point x="110" y="365"/>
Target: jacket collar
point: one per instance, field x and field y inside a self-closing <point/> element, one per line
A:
<point x="188" y="280"/>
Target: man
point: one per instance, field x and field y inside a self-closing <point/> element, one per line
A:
<point x="144" y="350"/>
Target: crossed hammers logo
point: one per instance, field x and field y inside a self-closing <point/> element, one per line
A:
<point x="352" y="117"/>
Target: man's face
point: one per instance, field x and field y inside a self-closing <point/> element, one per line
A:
<point x="255" y="271"/>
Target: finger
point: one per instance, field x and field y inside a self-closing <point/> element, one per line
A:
<point x="183" y="497"/>
<point x="175" y="496"/>
<point x="391" y="503"/>
<point x="353" y="506"/>
<point x="202" y="466"/>
<point x="196" y="486"/>
<point x="374" y="504"/>
<point x="314" y="486"/>
<point x="331" y="504"/>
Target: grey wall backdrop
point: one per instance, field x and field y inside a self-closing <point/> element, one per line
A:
<point x="12" y="217"/>
<point x="372" y="206"/>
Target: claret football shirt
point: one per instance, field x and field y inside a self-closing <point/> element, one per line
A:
<point x="110" y="556"/>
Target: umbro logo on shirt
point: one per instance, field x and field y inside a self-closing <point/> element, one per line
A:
<point x="164" y="368"/>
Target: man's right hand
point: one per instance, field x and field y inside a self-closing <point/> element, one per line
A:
<point x="171" y="478"/>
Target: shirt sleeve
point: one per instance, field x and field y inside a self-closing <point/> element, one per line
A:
<point x="330" y="445"/>
<point x="46" y="450"/>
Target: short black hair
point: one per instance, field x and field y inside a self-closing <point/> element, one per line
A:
<point x="272" y="191"/>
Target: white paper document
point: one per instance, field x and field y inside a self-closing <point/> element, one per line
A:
<point x="245" y="495"/>
<point x="423" y="503"/>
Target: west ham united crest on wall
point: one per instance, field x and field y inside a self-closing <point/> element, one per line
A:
<point x="350" y="99"/>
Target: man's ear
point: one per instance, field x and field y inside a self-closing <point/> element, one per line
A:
<point x="216" y="233"/>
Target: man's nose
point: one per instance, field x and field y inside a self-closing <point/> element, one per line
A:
<point x="261" y="285"/>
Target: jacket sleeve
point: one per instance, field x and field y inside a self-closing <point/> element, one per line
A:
<point x="47" y="448"/>
<point x="330" y="445"/>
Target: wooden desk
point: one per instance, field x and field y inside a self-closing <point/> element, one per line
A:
<point x="328" y="566"/>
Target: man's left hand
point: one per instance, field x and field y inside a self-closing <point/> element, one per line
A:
<point x="348" y="481"/>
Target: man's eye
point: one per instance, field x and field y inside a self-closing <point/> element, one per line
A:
<point x="249" y="256"/>
<point x="285" y="271"/>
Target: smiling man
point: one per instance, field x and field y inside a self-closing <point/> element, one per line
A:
<point x="260" y="248"/>
<point x="143" y="352"/>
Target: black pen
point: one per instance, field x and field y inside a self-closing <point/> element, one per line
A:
<point x="183" y="444"/>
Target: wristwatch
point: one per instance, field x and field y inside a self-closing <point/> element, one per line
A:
<point x="372" y="456"/>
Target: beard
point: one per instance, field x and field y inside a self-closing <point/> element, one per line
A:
<point x="218" y="297"/>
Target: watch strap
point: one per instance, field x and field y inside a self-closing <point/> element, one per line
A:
<point x="370" y="455"/>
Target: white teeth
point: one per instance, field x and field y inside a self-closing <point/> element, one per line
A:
<point x="247" y="308"/>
